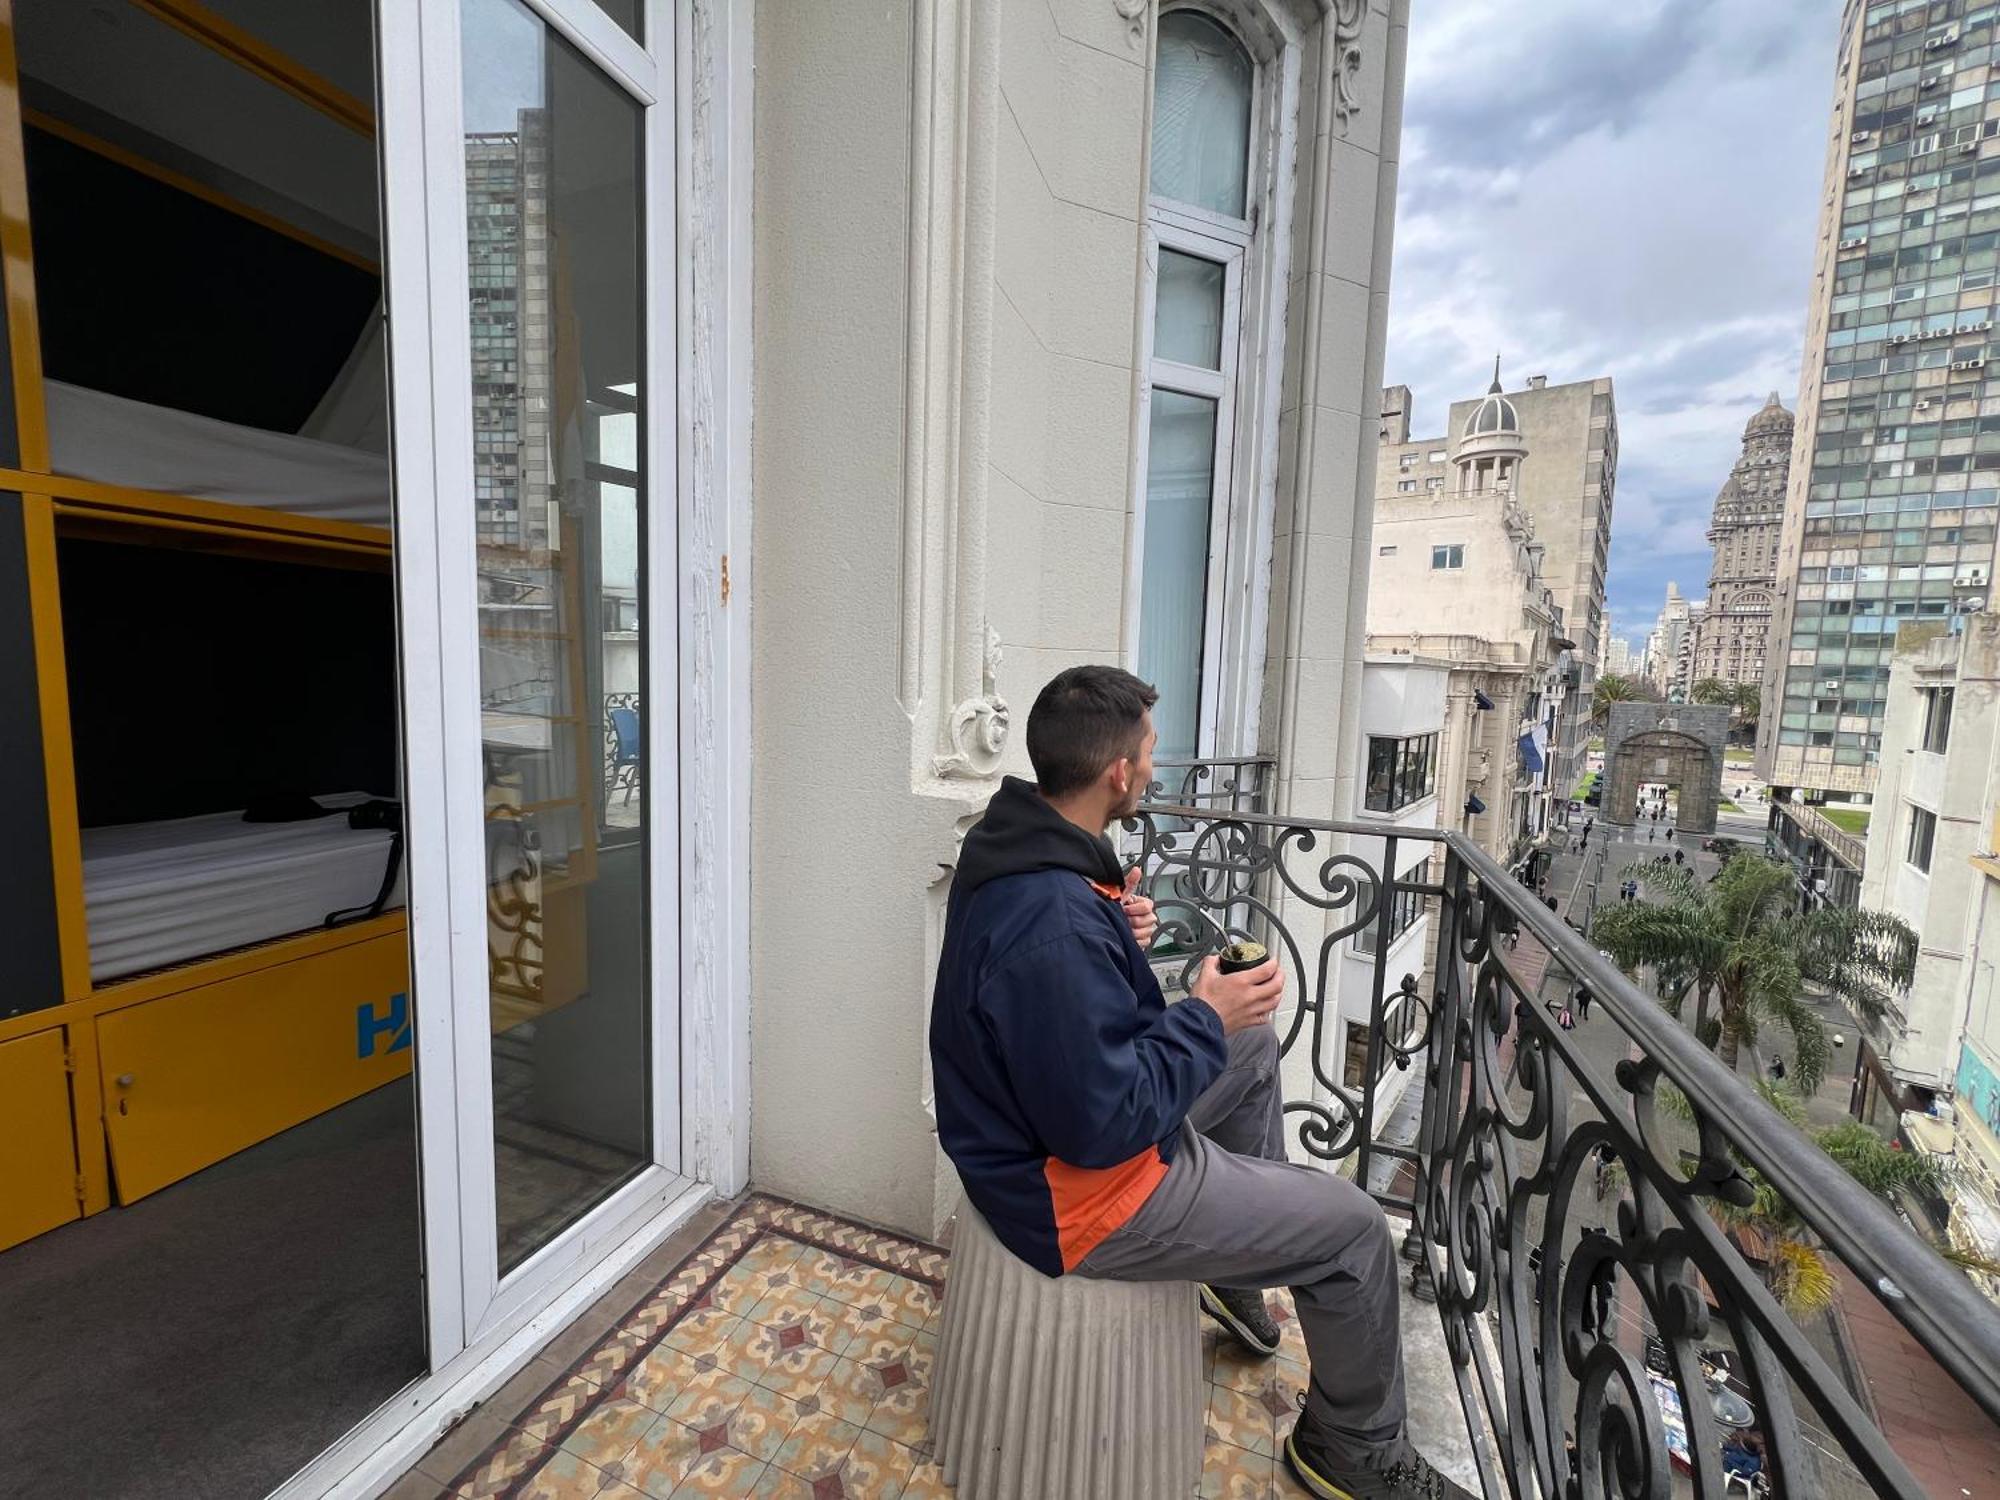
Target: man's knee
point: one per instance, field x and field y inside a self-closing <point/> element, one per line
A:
<point x="1355" y="1227"/>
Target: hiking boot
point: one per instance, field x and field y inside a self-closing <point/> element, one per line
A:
<point x="1400" y="1474"/>
<point x="1244" y="1315"/>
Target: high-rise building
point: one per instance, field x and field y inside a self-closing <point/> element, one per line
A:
<point x="1749" y="510"/>
<point x="1566" y="489"/>
<point x="1895" y="482"/>
<point x="1666" y="647"/>
<point x="506" y="204"/>
<point x="1618" y="657"/>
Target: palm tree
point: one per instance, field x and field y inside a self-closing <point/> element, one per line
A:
<point x="1739" y="944"/>
<point x="1795" y="1267"/>
<point x="1745" y="701"/>
<point x="1612" y="687"/>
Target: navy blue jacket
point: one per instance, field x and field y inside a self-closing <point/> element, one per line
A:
<point x="1061" y="1074"/>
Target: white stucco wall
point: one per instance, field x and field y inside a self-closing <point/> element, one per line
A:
<point x="1955" y="787"/>
<point x="854" y="825"/>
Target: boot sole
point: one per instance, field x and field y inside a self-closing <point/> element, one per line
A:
<point x="1213" y="1306"/>
<point x="1314" y="1483"/>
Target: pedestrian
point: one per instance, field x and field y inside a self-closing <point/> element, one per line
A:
<point x="1777" y="1067"/>
<point x="1106" y="1134"/>
<point x="1583" y="1002"/>
<point x="1680" y="857"/>
<point x="1566" y="1020"/>
<point x="1650" y="832"/>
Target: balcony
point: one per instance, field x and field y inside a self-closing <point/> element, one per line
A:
<point x="1603" y="1328"/>
<point x="1568" y="1331"/>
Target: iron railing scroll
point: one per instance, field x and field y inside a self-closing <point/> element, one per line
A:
<point x="1607" y="1330"/>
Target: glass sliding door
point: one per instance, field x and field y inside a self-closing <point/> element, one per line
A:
<point x="554" y="189"/>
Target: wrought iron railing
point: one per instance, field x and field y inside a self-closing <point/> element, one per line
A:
<point x="1562" y="1184"/>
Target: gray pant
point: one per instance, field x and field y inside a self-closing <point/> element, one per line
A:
<point x="1232" y="1212"/>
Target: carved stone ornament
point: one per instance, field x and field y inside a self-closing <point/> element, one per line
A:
<point x="1347" y="18"/>
<point x="1133" y="14"/>
<point x="979" y="725"/>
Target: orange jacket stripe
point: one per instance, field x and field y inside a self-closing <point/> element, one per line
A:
<point x="1091" y="1202"/>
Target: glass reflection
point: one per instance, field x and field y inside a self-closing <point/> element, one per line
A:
<point x="553" y="171"/>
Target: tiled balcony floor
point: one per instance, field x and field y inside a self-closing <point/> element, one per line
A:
<point x="788" y="1354"/>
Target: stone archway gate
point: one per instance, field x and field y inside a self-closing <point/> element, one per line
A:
<point x="1677" y="743"/>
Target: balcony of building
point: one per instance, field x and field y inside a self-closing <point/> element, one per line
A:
<point x="1585" y="1312"/>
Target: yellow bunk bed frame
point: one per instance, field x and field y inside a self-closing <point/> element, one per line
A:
<point x="127" y="1087"/>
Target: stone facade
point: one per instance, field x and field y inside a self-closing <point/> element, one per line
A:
<point x="1456" y="575"/>
<point x="1676" y="743"/>
<point x="952" y="455"/>
<point x="1568" y="487"/>
<point x="1742" y="580"/>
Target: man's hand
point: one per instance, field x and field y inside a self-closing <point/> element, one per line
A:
<point x="1138" y="909"/>
<point x="1247" y="998"/>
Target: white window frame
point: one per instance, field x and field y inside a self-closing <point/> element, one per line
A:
<point x="1449" y="565"/>
<point x="1170" y="232"/>
<point x="1237" y="612"/>
<point x="481" y="1326"/>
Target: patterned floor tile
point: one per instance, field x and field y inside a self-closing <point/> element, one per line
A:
<point x="703" y="1331"/>
<point x="610" y="1432"/>
<point x="925" y="1481"/>
<point x="876" y="1467"/>
<point x="1236" y="1418"/>
<point x="850" y="1391"/>
<point x="813" y="1315"/>
<point x="775" y="1484"/>
<point x="707" y="1397"/>
<point x="563" y="1477"/>
<point x="1232" y="1473"/>
<point x="664" y="1454"/>
<point x="818" y="1447"/>
<point x="724" y="1472"/>
<point x="761" y="1423"/>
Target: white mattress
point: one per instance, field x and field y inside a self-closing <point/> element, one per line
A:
<point x="117" y="441"/>
<point x="162" y="893"/>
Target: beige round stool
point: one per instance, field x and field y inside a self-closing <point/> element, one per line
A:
<point x="1066" y="1389"/>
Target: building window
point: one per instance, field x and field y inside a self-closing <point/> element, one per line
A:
<point x="1435" y="482"/>
<point x="1388" y="551"/>
<point x="1195" y="625"/>
<point x="1357" y="1054"/>
<point x="1451" y="556"/>
<point x="1405" y="907"/>
<point x="1937" y="718"/>
<point x="1407" y="462"/>
<point x="1436" y="456"/>
<point x="1400" y="771"/>
<point x="1923" y="829"/>
<point x="1405" y="486"/>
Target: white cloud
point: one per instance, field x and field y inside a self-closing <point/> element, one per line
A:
<point x="1628" y="191"/>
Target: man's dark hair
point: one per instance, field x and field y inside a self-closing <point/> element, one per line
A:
<point x="1086" y="718"/>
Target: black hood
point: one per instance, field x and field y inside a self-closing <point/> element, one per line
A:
<point x="1021" y="832"/>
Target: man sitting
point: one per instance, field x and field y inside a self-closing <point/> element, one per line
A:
<point x="1103" y="1132"/>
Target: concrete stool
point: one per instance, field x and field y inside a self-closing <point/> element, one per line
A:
<point x="1066" y="1389"/>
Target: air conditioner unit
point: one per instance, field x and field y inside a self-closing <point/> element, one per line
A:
<point x="1968" y="148"/>
<point x="1978" y="362"/>
<point x="1899" y="338"/>
<point x="1939" y="43"/>
<point x="1927" y="117"/>
<point x="1979" y="327"/>
<point x="1930" y="81"/>
<point x="1971" y="578"/>
<point x="1936" y="333"/>
<point x="1854" y="172"/>
<point x="1859" y="136"/>
<point x="1854" y="243"/>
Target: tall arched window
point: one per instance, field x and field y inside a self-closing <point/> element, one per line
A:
<point x="1201" y="225"/>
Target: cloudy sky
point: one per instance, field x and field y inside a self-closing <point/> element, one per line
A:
<point x="1627" y="190"/>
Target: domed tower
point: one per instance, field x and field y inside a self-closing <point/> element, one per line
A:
<point x="1490" y="449"/>
<point x="1744" y="530"/>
